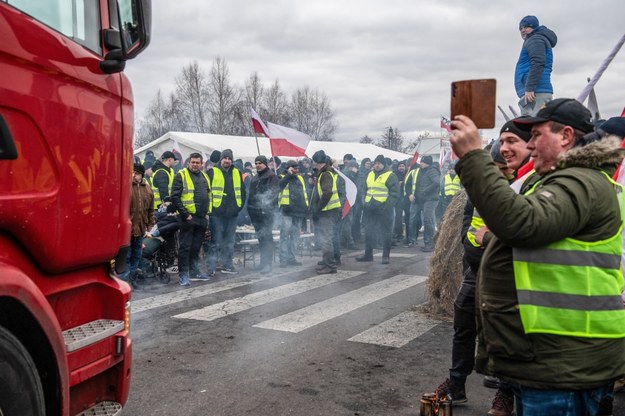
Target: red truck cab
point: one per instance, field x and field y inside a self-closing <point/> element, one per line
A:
<point x="66" y="133"/>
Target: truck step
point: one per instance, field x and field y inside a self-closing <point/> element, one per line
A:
<point x="90" y="333"/>
<point x="103" y="409"/>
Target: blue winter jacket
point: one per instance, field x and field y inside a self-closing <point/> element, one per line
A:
<point x="533" y="69"/>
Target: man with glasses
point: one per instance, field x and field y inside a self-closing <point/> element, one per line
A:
<point x="532" y="75"/>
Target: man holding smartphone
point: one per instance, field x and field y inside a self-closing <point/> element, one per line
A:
<point x="549" y="312"/>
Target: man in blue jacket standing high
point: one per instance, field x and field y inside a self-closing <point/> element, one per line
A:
<point x="532" y="75"/>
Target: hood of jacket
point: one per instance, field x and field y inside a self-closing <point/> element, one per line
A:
<point x="606" y="154"/>
<point x="546" y="33"/>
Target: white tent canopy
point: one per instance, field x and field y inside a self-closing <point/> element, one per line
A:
<point x="245" y="147"/>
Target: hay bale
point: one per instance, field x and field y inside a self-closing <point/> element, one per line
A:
<point x="446" y="262"/>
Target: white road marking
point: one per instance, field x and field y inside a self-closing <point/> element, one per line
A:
<point x="189" y="293"/>
<point x="229" y="307"/>
<point x="312" y="315"/>
<point x="397" y="331"/>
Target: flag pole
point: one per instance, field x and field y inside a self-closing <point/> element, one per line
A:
<point x="256" y="138"/>
<point x="604" y="65"/>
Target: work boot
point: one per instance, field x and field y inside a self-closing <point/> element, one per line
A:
<point x="452" y="390"/>
<point x="503" y="404"/>
<point x="427" y="248"/>
<point x="326" y="270"/>
<point x="365" y="257"/>
<point x="385" y="260"/>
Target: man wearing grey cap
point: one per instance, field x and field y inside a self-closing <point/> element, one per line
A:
<point x="550" y="318"/>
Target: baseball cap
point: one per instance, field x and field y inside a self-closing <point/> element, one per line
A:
<point x="566" y="111"/>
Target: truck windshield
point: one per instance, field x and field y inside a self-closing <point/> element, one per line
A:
<point x="76" y="19"/>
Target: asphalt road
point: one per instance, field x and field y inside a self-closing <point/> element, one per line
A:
<point x="294" y="343"/>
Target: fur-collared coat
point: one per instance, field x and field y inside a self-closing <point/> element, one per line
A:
<point x="575" y="200"/>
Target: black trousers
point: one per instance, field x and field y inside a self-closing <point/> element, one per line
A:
<point x="378" y="224"/>
<point x="465" y="330"/>
<point x="263" y="226"/>
<point x="190" y="238"/>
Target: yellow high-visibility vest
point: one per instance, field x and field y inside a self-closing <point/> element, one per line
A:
<point x="284" y="196"/>
<point x="188" y="189"/>
<point x="376" y="187"/>
<point x="334" y="202"/>
<point x="219" y="182"/>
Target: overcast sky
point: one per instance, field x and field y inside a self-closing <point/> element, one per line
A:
<point x="381" y="63"/>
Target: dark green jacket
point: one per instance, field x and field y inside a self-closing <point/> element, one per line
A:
<point x="576" y="200"/>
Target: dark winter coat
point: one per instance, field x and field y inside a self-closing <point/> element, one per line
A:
<point x="577" y="201"/>
<point x="428" y="185"/>
<point x="228" y="207"/>
<point x="201" y="195"/>
<point x="318" y="202"/>
<point x="263" y="198"/>
<point x="160" y="179"/>
<point x="392" y="184"/>
<point x="297" y="204"/>
<point x="533" y="69"/>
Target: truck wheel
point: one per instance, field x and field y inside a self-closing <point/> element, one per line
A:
<point x="21" y="393"/>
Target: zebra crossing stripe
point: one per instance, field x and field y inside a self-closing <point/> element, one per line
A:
<point x="188" y="293"/>
<point x="397" y="331"/>
<point x="312" y="315"/>
<point x="231" y="306"/>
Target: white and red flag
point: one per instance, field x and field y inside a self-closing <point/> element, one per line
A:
<point x="286" y="141"/>
<point x="445" y="124"/>
<point x="259" y="126"/>
<point x="350" y="192"/>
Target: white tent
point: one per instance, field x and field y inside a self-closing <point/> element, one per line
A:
<point x="245" y="147"/>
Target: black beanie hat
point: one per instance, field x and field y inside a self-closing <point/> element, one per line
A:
<point x="427" y="159"/>
<point x="319" y="157"/>
<point x="215" y="156"/>
<point x="514" y="129"/>
<point x="381" y="159"/>
<point x="261" y="159"/>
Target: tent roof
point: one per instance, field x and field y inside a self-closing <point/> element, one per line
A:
<point x="245" y="147"/>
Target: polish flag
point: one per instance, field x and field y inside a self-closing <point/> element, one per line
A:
<point x="259" y="126"/>
<point x="351" y="191"/>
<point x="286" y="141"/>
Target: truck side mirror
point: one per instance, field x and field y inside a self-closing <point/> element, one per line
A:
<point x="135" y="24"/>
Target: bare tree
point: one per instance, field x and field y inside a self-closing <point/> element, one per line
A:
<point x="311" y="113"/>
<point x="192" y="90"/>
<point x="366" y="139"/>
<point x="161" y="117"/>
<point x="392" y="140"/>
<point x="224" y="98"/>
<point x="274" y="107"/>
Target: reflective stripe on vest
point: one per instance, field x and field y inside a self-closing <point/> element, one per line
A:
<point x="155" y="191"/>
<point x="334" y="201"/>
<point x="414" y="174"/>
<point x="188" y="189"/>
<point x="452" y="185"/>
<point x="572" y="287"/>
<point x="376" y="187"/>
<point x="219" y="182"/>
<point x="476" y="223"/>
<point x="284" y="198"/>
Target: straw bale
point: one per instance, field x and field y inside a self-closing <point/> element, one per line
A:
<point x="446" y="262"/>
